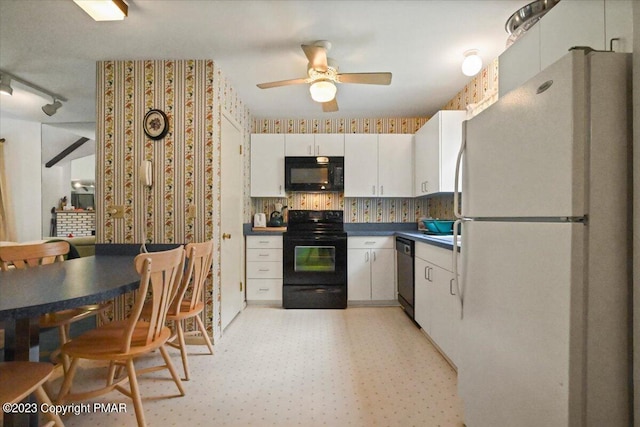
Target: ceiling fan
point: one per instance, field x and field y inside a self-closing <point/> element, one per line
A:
<point x="323" y="76"/>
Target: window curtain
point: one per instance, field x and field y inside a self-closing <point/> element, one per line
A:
<point x="7" y="225"/>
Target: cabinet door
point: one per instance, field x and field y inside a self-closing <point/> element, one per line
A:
<point x="442" y="328"/>
<point x="450" y="141"/>
<point x="431" y="162"/>
<point x="395" y="165"/>
<point x="299" y="144"/>
<point x="423" y="298"/>
<point x="520" y="61"/>
<point x="420" y="153"/>
<point x="329" y="144"/>
<point x="571" y="23"/>
<point x="619" y="24"/>
<point x="383" y="277"/>
<point x="267" y="165"/>
<point x="360" y="165"/>
<point x="358" y="275"/>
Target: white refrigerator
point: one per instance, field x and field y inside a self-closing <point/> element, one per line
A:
<point x="544" y="337"/>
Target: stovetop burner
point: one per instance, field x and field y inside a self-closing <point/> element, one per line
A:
<point x="314" y="221"/>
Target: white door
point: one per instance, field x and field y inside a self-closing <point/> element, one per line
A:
<point x="267" y="165"/>
<point x="299" y="144"/>
<point x="232" y="251"/>
<point x="329" y="144"/>
<point x="383" y="275"/>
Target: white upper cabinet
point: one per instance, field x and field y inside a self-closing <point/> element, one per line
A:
<point x="436" y="148"/>
<point x="378" y="165"/>
<point x="267" y="165"/>
<point x="570" y="23"/>
<point x="320" y="144"/>
<point x="360" y="165"/>
<point x="395" y="165"/>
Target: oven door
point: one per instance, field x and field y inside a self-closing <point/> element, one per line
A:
<point x="315" y="260"/>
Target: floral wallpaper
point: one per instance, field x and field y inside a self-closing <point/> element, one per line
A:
<point x="186" y="162"/>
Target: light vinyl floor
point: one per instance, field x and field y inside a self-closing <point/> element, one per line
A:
<point x="363" y="366"/>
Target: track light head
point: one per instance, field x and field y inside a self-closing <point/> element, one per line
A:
<point x="5" y="85"/>
<point x="50" y="109"/>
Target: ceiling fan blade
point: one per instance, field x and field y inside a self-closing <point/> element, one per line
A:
<point x="317" y="56"/>
<point x="330" y="106"/>
<point x="365" y="78"/>
<point x="281" y="83"/>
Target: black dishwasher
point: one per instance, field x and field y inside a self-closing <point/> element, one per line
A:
<point x="404" y="262"/>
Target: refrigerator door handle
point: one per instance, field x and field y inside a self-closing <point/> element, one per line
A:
<point x="454" y="259"/>
<point x="456" y="195"/>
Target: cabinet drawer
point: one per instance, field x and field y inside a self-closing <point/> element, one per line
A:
<point x="264" y="270"/>
<point x="264" y="289"/>
<point x="435" y="255"/>
<point x="370" y="242"/>
<point x="264" y="255"/>
<point x="268" y="242"/>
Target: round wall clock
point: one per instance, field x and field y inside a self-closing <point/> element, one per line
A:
<point x="156" y="124"/>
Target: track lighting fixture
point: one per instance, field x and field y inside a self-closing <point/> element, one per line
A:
<point x="50" y="109"/>
<point x="5" y="85"/>
<point x="6" y="89"/>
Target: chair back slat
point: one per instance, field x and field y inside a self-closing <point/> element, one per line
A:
<point x="159" y="273"/>
<point x="200" y="258"/>
<point x="25" y="256"/>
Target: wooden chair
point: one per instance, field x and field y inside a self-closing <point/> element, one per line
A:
<point x="27" y="256"/>
<point x="20" y="379"/>
<point x="121" y="342"/>
<point x="188" y="300"/>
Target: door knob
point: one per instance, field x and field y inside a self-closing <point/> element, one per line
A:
<point x="226" y="236"/>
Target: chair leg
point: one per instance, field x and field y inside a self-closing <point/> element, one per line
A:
<point x="204" y="333"/>
<point x="172" y="369"/>
<point x="68" y="380"/>
<point x="42" y="397"/>
<point x="63" y="337"/>
<point x="112" y="373"/>
<point x="183" y="349"/>
<point x="135" y="393"/>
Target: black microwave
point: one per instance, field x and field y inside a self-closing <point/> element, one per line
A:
<point x="314" y="174"/>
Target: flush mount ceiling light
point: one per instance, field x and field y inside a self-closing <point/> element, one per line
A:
<point x="50" y="109"/>
<point x="472" y="63"/>
<point x="104" y="10"/>
<point x="322" y="91"/>
<point x="5" y="85"/>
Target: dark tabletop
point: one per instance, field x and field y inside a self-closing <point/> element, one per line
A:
<point x="34" y="291"/>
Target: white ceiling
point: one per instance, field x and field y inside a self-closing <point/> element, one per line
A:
<point x="54" y="44"/>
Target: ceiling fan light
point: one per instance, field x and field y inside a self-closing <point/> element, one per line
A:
<point x="472" y="63"/>
<point x="323" y="91"/>
<point x="50" y="109"/>
<point x="5" y="85"/>
<point x="104" y="10"/>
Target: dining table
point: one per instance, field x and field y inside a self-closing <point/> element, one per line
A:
<point x="26" y="294"/>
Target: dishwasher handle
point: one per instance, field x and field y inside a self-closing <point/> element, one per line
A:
<point x="404" y="246"/>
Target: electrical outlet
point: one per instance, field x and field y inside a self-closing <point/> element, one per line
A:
<point x="116" y="211"/>
<point x="191" y="211"/>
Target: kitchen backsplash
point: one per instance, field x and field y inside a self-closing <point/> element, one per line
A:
<point x="358" y="210"/>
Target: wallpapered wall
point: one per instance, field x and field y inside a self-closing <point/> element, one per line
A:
<point x="186" y="162"/>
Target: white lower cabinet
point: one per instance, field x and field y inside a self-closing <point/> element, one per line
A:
<point x="437" y="309"/>
<point x="264" y="268"/>
<point x="371" y="269"/>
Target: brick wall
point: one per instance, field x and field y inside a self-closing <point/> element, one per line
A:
<point x="76" y="223"/>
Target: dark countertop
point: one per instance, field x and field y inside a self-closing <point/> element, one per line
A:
<point x="406" y="230"/>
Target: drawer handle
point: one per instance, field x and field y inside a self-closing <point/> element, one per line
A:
<point x="263" y="254"/>
<point x="370" y="243"/>
<point x="265" y="242"/>
<point x="264" y="269"/>
<point x="263" y="289"/>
